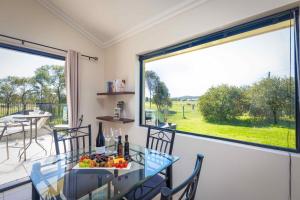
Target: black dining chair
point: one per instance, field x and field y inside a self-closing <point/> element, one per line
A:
<point x="75" y="138"/>
<point x="188" y="187"/>
<point x="161" y="140"/>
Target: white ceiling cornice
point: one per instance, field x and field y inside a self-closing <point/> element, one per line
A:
<point x="167" y="14"/>
<point x="62" y="15"/>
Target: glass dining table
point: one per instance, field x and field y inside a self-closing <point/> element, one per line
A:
<point x="53" y="177"/>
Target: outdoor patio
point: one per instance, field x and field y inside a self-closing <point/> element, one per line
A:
<point x="12" y="169"/>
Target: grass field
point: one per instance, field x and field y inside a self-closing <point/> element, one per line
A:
<point x="241" y="129"/>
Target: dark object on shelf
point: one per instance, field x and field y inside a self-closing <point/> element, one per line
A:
<point x="111" y="119"/>
<point x="115" y="93"/>
<point x="120" y="105"/>
<point x="109" y="86"/>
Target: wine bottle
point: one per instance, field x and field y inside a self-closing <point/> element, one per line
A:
<point x="100" y="141"/>
<point x="120" y="146"/>
<point x="126" y="147"/>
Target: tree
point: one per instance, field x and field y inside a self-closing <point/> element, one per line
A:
<point x="24" y="89"/>
<point x="161" y="98"/>
<point x="289" y="105"/>
<point x="58" y="82"/>
<point x="271" y="98"/>
<point x="42" y="81"/>
<point x="8" y="91"/>
<point x="152" y="79"/>
<point x="222" y="103"/>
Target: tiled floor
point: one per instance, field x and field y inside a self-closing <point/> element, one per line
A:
<point x="12" y="169"/>
<point x="19" y="193"/>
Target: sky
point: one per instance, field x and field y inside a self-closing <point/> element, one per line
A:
<point x="237" y="63"/>
<point x="14" y="63"/>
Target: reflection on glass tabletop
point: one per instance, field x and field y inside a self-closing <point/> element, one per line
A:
<point x="54" y="176"/>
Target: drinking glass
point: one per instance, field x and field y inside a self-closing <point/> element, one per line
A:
<point x="107" y="136"/>
<point x="115" y="134"/>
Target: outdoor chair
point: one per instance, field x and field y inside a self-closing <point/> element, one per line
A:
<point x="66" y="126"/>
<point x="188" y="187"/>
<point x="10" y="128"/>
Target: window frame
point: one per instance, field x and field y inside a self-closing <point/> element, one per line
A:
<point x="244" y="27"/>
<point x="25" y="180"/>
<point x="31" y="51"/>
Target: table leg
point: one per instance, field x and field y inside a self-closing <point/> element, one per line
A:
<point x="169" y="177"/>
<point x="7" y="150"/>
<point x="30" y="140"/>
<point x="36" y="138"/>
<point x="35" y="195"/>
<point x="108" y="190"/>
<point x="24" y="145"/>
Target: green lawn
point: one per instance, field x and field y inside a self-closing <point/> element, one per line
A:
<point x="241" y="129"/>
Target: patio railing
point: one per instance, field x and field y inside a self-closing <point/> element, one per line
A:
<point x="58" y="111"/>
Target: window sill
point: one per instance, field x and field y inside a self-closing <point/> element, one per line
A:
<point x="244" y="144"/>
<point x="14" y="184"/>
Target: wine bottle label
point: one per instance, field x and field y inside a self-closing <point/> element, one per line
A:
<point x="100" y="150"/>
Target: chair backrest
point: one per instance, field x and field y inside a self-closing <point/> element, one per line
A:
<point x="160" y="139"/>
<point x="188" y="187"/>
<point x="75" y="138"/>
<point x="42" y="121"/>
<point x="3" y="128"/>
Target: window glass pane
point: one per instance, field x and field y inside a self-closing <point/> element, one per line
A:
<point x="240" y="87"/>
<point x="29" y="85"/>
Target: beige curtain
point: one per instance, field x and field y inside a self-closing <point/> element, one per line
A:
<point x="72" y="86"/>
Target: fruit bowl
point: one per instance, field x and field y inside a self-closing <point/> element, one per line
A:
<point x="99" y="161"/>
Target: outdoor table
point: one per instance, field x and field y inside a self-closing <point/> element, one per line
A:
<point x="33" y="118"/>
<point x="54" y="178"/>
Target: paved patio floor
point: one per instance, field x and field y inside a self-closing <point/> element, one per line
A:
<point x="12" y="169"/>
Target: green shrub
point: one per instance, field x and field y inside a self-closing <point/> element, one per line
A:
<point x="222" y="103"/>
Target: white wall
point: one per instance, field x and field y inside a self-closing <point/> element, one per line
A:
<point x="231" y="171"/>
<point x="28" y="20"/>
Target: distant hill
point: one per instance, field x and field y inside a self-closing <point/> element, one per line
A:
<point x="185" y="98"/>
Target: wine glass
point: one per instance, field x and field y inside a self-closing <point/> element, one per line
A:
<point x="112" y="132"/>
<point x="107" y="136"/>
<point x="115" y="134"/>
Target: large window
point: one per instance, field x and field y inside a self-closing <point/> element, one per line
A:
<point x="30" y="82"/>
<point x="239" y="84"/>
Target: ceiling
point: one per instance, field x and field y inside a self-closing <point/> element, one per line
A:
<point x="106" y="22"/>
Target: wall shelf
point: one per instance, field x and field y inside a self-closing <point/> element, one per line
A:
<point x="111" y="119"/>
<point x="115" y="93"/>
